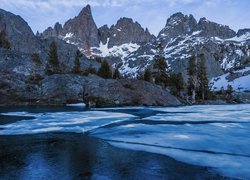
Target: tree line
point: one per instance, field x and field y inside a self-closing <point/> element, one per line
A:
<point x="196" y="89"/>
<point x="53" y="65"/>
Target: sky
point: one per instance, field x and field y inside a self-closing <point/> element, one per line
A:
<point x="152" y="14"/>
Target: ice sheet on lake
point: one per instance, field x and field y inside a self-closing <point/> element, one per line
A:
<point x="212" y="136"/>
<point x="78" y="122"/>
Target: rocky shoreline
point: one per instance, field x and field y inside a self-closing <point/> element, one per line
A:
<point x="61" y="89"/>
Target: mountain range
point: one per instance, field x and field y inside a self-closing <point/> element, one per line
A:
<point x="127" y="46"/>
<point x="132" y="48"/>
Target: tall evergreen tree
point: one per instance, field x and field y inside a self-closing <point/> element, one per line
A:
<point x="77" y="65"/>
<point x="104" y="70"/>
<point x="4" y="43"/>
<point x="229" y="92"/>
<point x="116" y="74"/>
<point x="192" y="80"/>
<point x="52" y="66"/>
<point x="176" y="83"/>
<point x="161" y="64"/>
<point x="203" y="88"/>
<point x="147" y="75"/>
<point x="160" y="67"/>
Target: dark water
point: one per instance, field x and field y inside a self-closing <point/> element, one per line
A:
<point x="78" y="156"/>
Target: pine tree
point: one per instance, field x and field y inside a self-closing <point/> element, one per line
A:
<point x="89" y="70"/>
<point x="229" y="92"/>
<point x="104" y="70"/>
<point x="203" y="88"/>
<point x="161" y="67"/>
<point x="116" y="74"/>
<point x="192" y="80"/>
<point x="52" y="66"/>
<point x="176" y="83"/>
<point x="161" y="64"/>
<point x="77" y="65"/>
<point x="35" y="57"/>
<point x="147" y="75"/>
<point x="4" y="43"/>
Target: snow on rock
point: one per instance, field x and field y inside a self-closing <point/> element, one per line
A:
<point x="121" y="51"/>
<point x="68" y="35"/>
<point x="240" y="83"/>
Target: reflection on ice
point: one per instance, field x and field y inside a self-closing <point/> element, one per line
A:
<point x="78" y="122"/>
<point x="213" y="136"/>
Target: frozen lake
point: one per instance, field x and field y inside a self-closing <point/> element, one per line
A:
<point x="217" y="137"/>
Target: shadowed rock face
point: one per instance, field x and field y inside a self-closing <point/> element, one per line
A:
<point x="211" y="29"/>
<point x="80" y="30"/>
<point x="66" y="88"/>
<point x="18" y="32"/>
<point x="83" y="32"/>
<point x="83" y="27"/>
<point x="243" y="32"/>
<point x="125" y="31"/>
<point x="177" y="25"/>
<point x="128" y="46"/>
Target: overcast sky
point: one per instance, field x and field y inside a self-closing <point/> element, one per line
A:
<point x="149" y="13"/>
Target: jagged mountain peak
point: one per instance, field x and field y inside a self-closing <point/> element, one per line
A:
<point x="86" y="11"/>
<point x="179" y="18"/>
<point x="126" y="30"/>
<point x="125" y="22"/>
<point x="178" y="24"/>
<point x="242" y="32"/>
<point x="212" y="29"/>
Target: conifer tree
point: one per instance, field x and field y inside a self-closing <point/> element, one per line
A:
<point x="77" y="65"/>
<point x="52" y="66"/>
<point x="4" y="43"/>
<point x="160" y="67"/>
<point x="203" y="88"/>
<point x="89" y="70"/>
<point x="147" y="75"/>
<point x="35" y="57"/>
<point x="229" y="92"/>
<point x="192" y="80"/>
<point x="116" y="74"/>
<point x="104" y="70"/>
<point x="176" y="83"/>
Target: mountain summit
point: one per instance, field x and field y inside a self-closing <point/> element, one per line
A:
<point x="132" y="48"/>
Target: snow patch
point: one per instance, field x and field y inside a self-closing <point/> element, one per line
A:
<point x="68" y="35"/>
<point x="239" y="84"/>
<point x="121" y="51"/>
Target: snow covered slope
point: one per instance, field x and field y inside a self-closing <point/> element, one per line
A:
<point x="239" y="80"/>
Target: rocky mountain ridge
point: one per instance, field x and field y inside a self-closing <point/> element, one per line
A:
<point x="24" y="81"/>
<point x="131" y="48"/>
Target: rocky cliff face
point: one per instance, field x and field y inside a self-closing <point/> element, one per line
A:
<point x="182" y="36"/>
<point x="177" y="25"/>
<point x="23" y="79"/>
<point x="80" y="31"/>
<point x="123" y="32"/>
<point x="117" y="41"/>
<point x="132" y="48"/>
<point x="18" y="32"/>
